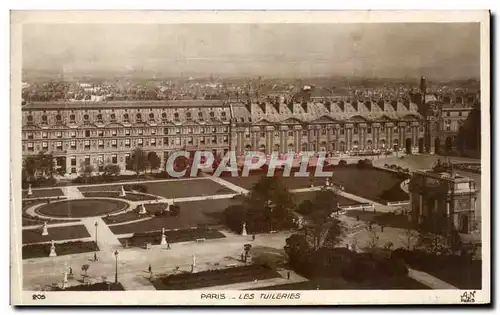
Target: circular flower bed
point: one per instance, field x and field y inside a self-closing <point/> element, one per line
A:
<point x="81" y="208"/>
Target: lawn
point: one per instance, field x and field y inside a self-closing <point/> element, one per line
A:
<point x="53" y="192"/>
<point x="371" y="183"/>
<point x="68" y="248"/>
<point x="397" y="283"/>
<point x="382" y="219"/>
<point x="186" y="235"/>
<point x="116" y="194"/>
<point x="192" y="213"/>
<point x="302" y="196"/>
<point x="172" y="189"/>
<point x="28" y="220"/>
<point x="81" y="208"/>
<point x="189" y="281"/>
<point x="57" y="233"/>
<point x="289" y="182"/>
<point x="151" y="209"/>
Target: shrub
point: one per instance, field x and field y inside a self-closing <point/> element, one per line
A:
<point x="175" y="210"/>
<point x="305" y="208"/>
<point x="342" y="163"/>
<point x="366" y="163"/>
<point x="136" y="187"/>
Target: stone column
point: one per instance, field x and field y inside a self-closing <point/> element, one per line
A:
<point x="318" y="134"/>
<point x="329" y="138"/>
<point x="296" y="140"/>
<point x="420" y="205"/>
<point x="239" y="143"/>
<point x="362" y="138"/>
<point x="349" y="139"/>
<point x="310" y="137"/>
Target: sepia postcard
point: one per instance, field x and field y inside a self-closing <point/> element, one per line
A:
<point x="250" y="158"/>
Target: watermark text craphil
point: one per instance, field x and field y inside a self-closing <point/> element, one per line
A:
<point x="288" y="165"/>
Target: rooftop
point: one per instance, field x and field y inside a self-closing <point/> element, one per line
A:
<point x="122" y="104"/>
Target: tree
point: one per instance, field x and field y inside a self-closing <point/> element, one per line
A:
<point x="410" y="238"/>
<point x="268" y="206"/>
<point x="39" y="166"/>
<point x="111" y="170"/>
<point x="373" y="240"/>
<point x="432" y="235"/>
<point x="86" y="170"/>
<point x="138" y="161"/>
<point x="323" y="227"/>
<point x="154" y="161"/>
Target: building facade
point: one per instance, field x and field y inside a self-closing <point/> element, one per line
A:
<point x="107" y="133"/>
<point x="337" y="125"/>
<point x="435" y="195"/>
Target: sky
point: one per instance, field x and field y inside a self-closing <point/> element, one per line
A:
<point x="439" y="50"/>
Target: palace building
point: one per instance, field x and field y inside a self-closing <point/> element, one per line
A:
<point x="107" y="133"/>
<point x="103" y="133"/>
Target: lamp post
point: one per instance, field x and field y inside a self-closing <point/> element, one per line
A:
<point x="270" y="206"/>
<point x="96" y="225"/>
<point x="116" y="266"/>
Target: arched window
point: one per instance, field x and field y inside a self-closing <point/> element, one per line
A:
<point x="113" y="117"/>
<point x="125" y="117"/>
<point x="151" y="116"/>
<point x="86" y="117"/>
<point x="176" y="116"/>
<point x="164" y="115"/>
<point x="99" y="117"/>
<point x="212" y="114"/>
<point x="139" y="116"/>
<point x="58" y="117"/>
<point x="30" y="118"/>
<point x="72" y="117"/>
<point x="44" y="118"/>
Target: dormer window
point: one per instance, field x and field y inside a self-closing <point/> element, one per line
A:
<point x="151" y="117"/>
<point x="72" y="118"/>
<point x="125" y="118"/>
<point x="164" y="116"/>
<point x="99" y="117"/>
<point x="139" y="117"/>
<point x="176" y="116"/>
<point x="30" y="119"/>
<point x="212" y="114"/>
<point x="86" y="118"/>
<point x="44" y="119"/>
<point x="58" y="118"/>
<point x="113" y="117"/>
<point x="188" y="116"/>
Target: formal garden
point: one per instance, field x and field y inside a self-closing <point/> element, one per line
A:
<point x="67" y="248"/>
<point x="217" y="277"/>
<point x="30" y="220"/>
<point x="101" y="286"/>
<point x="81" y="208"/>
<point x="56" y="233"/>
<point x="169" y="189"/>
<point x="42" y="193"/>
<point x="171" y="236"/>
<point x="191" y="214"/>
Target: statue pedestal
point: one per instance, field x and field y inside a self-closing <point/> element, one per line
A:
<point x="45" y="232"/>
<point x="163" y="240"/>
<point x="52" y="252"/>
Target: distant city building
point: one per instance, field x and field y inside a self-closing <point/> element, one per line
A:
<point x="435" y="195"/>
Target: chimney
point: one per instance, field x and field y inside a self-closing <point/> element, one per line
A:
<point x="423" y="85"/>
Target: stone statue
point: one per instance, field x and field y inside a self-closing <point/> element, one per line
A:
<point x="163" y="237"/>
<point x="52" y="249"/>
<point x="122" y="192"/>
<point x="142" y="209"/>
<point x="45" y="230"/>
<point x="30" y="192"/>
<point x="244" y="229"/>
